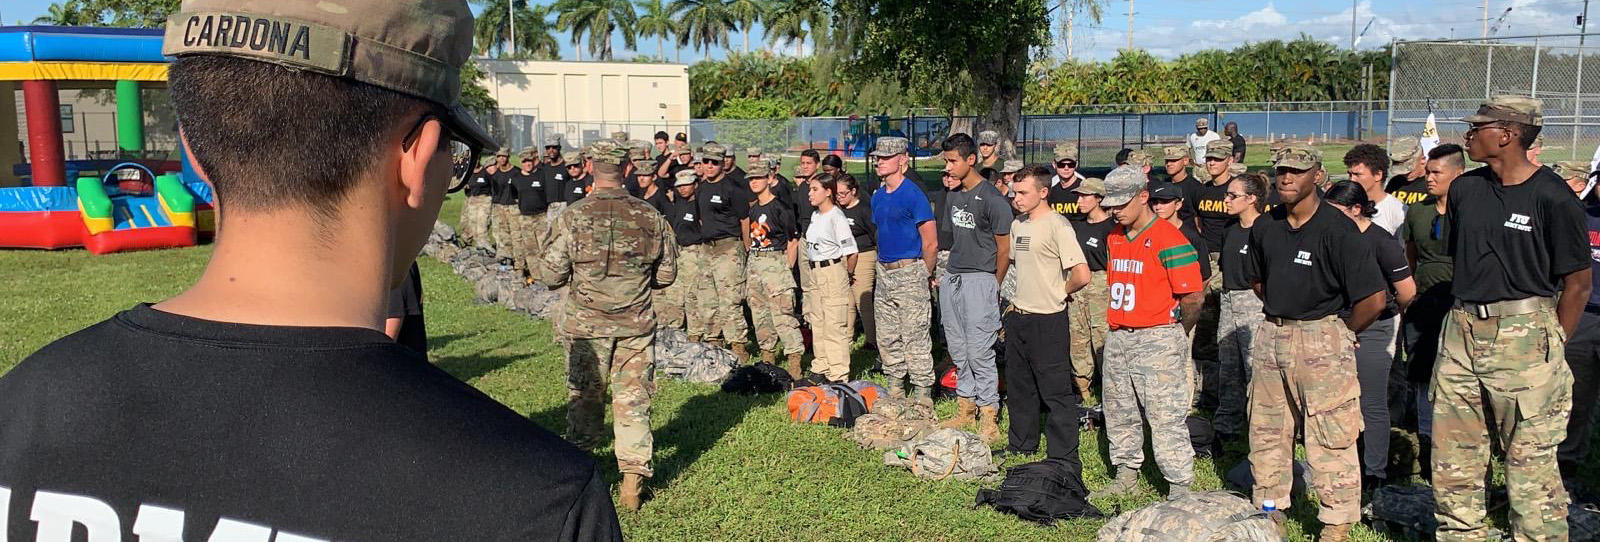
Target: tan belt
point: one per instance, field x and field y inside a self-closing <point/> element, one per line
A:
<point x="723" y="241"/>
<point x="1514" y="307"/>
<point x="1277" y="321"/>
<point x="900" y="264"/>
<point x="768" y="253"/>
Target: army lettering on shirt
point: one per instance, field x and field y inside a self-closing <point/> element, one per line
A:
<point x="1408" y="191"/>
<point x="1064" y="201"/>
<point x="722" y="206"/>
<point x="1514" y="242"/>
<point x="772" y="225"/>
<point x="684" y="216"/>
<point x="1092" y="239"/>
<point x="1313" y="271"/>
<point x="1211" y="206"/>
<point x="530" y="192"/>
<point x="861" y="226"/>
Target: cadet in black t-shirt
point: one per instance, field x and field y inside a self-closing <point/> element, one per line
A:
<point x="475" y="213"/>
<point x="774" y="249"/>
<point x="577" y="183"/>
<point x="1087" y="307"/>
<point x="1062" y="195"/>
<point x="863" y="277"/>
<point x="1309" y="263"/>
<point x="527" y="232"/>
<point x="676" y="305"/>
<point x="264" y="401"/>
<point x="725" y="228"/>
<point x="503" y="214"/>
<point x="1238" y="306"/>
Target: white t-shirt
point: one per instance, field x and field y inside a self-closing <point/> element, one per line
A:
<point x="829" y="236"/>
<point x="1391" y="214"/>
<point x="1198" y="143"/>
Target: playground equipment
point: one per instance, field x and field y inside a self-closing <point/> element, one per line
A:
<point x="151" y="204"/>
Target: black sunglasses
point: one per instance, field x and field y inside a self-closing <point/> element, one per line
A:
<point x="463" y="152"/>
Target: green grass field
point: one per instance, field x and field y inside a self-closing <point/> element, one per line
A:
<point x="728" y="467"/>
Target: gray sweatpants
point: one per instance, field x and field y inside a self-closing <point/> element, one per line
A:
<point x="969" y="309"/>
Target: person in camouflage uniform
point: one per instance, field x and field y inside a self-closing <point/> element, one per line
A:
<point x="774" y="249"/>
<point x="1087" y="307"/>
<point x="474" y="226"/>
<point x="1502" y="349"/>
<point x="503" y="208"/>
<point x="725" y="230"/>
<point x="607" y="252"/>
<point x="677" y="304"/>
<point x="907" y="248"/>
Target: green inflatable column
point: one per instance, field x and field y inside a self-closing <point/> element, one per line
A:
<point x="130" y="118"/>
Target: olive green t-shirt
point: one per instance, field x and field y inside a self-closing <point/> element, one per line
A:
<point x="1427" y="229"/>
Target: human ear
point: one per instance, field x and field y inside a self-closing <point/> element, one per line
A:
<point x="416" y="161"/>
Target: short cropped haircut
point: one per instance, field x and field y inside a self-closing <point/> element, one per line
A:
<point x="270" y="138"/>
<point x="812" y="154"/>
<point x="1529" y="134"/>
<point x="1372" y="156"/>
<point x="961" y="143"/>
<point x="1041" y="175"/>
<point x="662" y="136"/>
<point x="1451" y="154"/>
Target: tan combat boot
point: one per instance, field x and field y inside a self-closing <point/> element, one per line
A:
<point x="632" y="488"/>
<point x="1335" y="533"/>
<point x="1126" y="482"/>
<point x="1083" y="386"/>
<point x="989" y="424"/>
<point x="768" y="356"/>
<point x="793" y="365"/>
<point x="966" y="408"/>
<point x="741" y="352"/>
<point x="896" y="387"/>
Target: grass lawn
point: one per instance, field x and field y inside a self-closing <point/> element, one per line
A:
<point x="728" y="467"/>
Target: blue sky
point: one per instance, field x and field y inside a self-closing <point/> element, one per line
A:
<point x="1168" y="28"/>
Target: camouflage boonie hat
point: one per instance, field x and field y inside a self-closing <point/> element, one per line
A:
<point x="1066" y="151"/>
<point x="414" y="47"/>
<point x="1140" y="158"/>
<point x="572" y="158"/>
<point x="1175" y="152"/>
<point x="1568" y="169"/>
<point x="1011" y="166"/>
<point x="683" y="177"/>
<point x="1122" y="185"/>
<point x="1403" y="149"/>
<point x="1219" y="149"/>
<point x="988" y="137"/>
<point x="1297" y="157"/>
<point x="1092" y="185"/>
<point x="607" y="151"/>
<point x="1518" y="109"/>
<point x="552" y="140"/>
<point x="890" y="146"/>
<point x="619" y="136"/>
<point x="759" y="169"/>
<point x="713" y="151"/>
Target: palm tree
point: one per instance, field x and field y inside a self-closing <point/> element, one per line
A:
<point x="747" y="13"/>
<point x="704" y="23"/>
<point x="657" y="22"/>
<point x="795" y="20"/>
<point x="493" y="33"/>
<point x="70" y="13"/>
<point x="598" y="19"/>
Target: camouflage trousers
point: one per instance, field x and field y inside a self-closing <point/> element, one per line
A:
<point x="1145" y="380"/>
<point x="770" y="291"/>
<point x="1204" y="337"/>
<point x="722" y="293"/>
<point x="474" y="227"/>
<point x="1306" y="371"/>
<point x="1241" y="313"/>
<point x="502" y="222"/>
<point x="529" y="236"/>
<point x="624" y="366"/>
<point x="670" y="303"/>
<point x="861" y="287"/>
<point x="1513" y="368"/>
<point x="1087" y="322"/>
<point x="904" y="306"/>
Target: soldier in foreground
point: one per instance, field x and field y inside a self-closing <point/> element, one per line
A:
<point x="610" y="250"/>
<point x="1519" y="242"/>
<point x="907" y="252"/>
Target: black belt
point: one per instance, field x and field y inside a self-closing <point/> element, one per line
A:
<point x="824" y="263"/>
<point x="1280" y="321"/>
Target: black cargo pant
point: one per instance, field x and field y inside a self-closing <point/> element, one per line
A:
<point x="1039" y="374"/>
<point x="1583" y="356"/>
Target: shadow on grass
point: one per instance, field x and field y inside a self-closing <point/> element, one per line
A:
<point x="696" y="427"/>
<point x="473" y="366"/>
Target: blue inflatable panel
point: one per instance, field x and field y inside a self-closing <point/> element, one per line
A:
<point x="201" y="191"/>
<point x="80" y="44"/>
<point x="130" y="212"/>
<point x="38" y="198"/>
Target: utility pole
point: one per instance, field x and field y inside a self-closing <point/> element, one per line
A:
<point x="1486" y="19"/>
<point x="1130" y="25"/>
<point x="1352" y="25"/>
<point x="511" y="22"/>
<point x="1068" y="23"/>
<point x="1583" y="24"/>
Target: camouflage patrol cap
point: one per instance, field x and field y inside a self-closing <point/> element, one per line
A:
<point x="1175" y="152"/>
<point x="1011" y="166"/>
<point x="553" y="140"/>
<point x="1219" y="149"/>
<point x="1092" y="186"/>
<point x="890" y="146"/>
<point x="638" y="149"/>
<point x="502" y="152"/>
<point x="1569" y="169"/>
<point x="1238" y="169"/>
<point x="696" y="156"/>
<point x="619" y="136"/>
<point x="1510" y="108"/>
<point x="607" y="151"/>
<point x="773" y="160"/>
<point x="528" y="154"/>
<point x="683" y="178"/>
<point x="1202" y="122"/>
<point x="1297" y="157"/>
<point x="1140" y="158"/>
<point x="713" y="151"/>
<point x="1122" y="185"/>
<point x="988" y="137"/>
<point x="727" y="151"/>
<point x="758" y="170"/>
<point x="1066" y="151"/>
<point x="752" y="151"/>
<point x="1403" y="149"/>
<point x="682" y="148"/>
<point x="572" y="158"/>
<point x="1200" y="174"/>
<point x="414" y="47"/>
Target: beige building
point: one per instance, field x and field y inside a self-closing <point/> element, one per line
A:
<point x="583" y="101"/>
<point x="88" y="124"/>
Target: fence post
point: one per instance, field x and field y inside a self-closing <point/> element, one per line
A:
<point x="1488" y="72"/>
<point x="1533" y="90"/>
<point x="1388" y="123"/>
<point x="1577" y="103"/>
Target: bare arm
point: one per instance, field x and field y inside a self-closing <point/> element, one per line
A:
<point x="791" y="253"/>
<point x="930" y="245"/>
<point x="1002" y="257"/>
<point x="850" y="266"/>
<point x="1405" y="291"/>
<point x="1260" y="294"/>
<point x="1077" y="278"/>
<point x="1189" y="309"/>
<point x="1575" y="289"/>
<point x="1365" y="312"/>
<point x="744" y="230"/>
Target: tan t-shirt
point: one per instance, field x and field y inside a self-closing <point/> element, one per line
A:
<point x="1042" y="252"/>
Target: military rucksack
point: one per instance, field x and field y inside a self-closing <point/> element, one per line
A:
<point x="759" y="378"/>
<point x="1405" y="509"/>
<point x="945" y="453"/>
<point x="1210" y="516"/>
<point x="682" y="359"/>
<point x="1043" y="492"/>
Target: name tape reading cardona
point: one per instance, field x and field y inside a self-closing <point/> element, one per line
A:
<point x="274" y="39"/>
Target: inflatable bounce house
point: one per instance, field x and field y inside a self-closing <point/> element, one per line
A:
<point x="130" y="203"/>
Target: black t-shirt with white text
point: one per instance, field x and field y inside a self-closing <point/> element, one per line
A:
<point x="1514" y="242"/>
<point x="1211" y="206"/>
<point x="1092" y="239"/>
<point x="772" y="225"/>
<point x="530" y="192"/>
<point x="577" y="188"/>
<point x="1314" y="271"/>
<point x="684" y="216"/>
<point x="1231" y="261"/>
<point x="156" y="426"/>
<point x="722" y="205"/>
<point x="479" y="185"/>
<point x="861" y="226"/>
<point x="504" y="193"/>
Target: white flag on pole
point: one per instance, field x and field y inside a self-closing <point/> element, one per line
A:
<point x="1430" y="135"/>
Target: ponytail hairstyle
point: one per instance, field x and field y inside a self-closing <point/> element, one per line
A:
<point x="1350" y="194"/>
<point x="1256" y="184"/>
<point x="829" y="183"/>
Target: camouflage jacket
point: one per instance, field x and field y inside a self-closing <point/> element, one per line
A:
<point x="608" y="251"/>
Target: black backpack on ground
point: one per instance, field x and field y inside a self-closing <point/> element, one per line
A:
<point x="1042" y="492"/>
<point x="759" y="378"/>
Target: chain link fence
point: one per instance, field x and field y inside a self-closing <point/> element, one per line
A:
<point x="1450" y="78"/>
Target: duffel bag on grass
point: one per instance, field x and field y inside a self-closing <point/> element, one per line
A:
<point x="946" y="453"/>
<point x="1210" y="516"/>
<point x="834" y="404"/>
